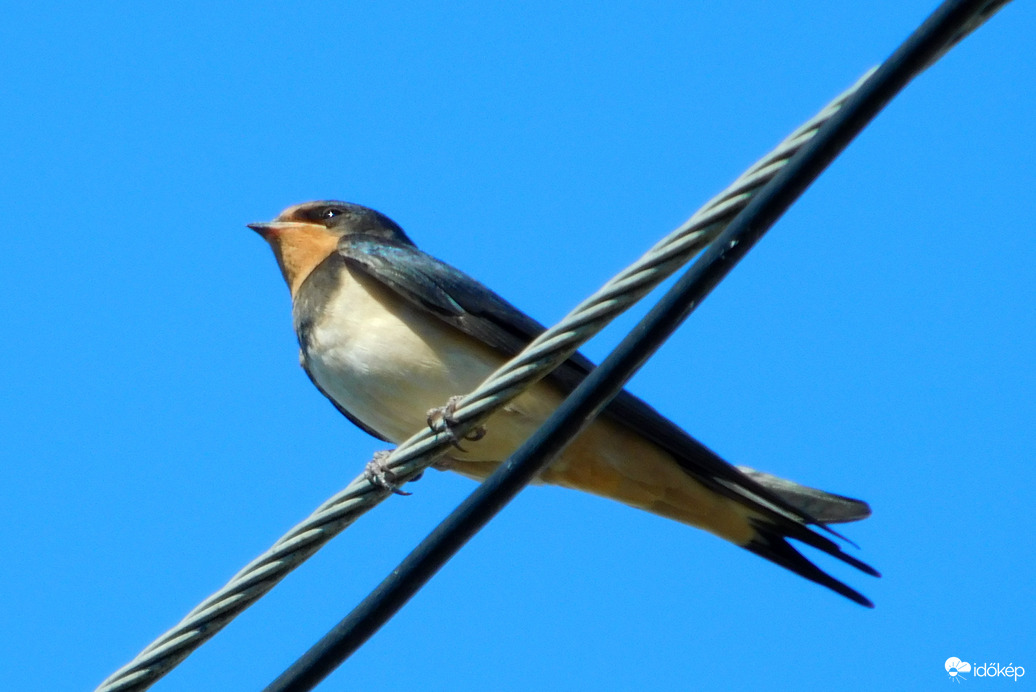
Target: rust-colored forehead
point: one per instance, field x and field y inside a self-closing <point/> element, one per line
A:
<point x="296" y="212"/>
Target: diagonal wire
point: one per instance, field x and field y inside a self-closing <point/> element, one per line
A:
<point x="942" y="28"/>
<point x="414" y="455"/>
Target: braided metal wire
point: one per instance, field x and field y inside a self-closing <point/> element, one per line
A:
<point x="411" y="457"/>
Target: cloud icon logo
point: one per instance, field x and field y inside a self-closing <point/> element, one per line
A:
<point x="954" y="666"/>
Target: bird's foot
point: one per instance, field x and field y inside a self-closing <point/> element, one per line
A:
<point x="442" y="419"/>
<point x="381" y="476"/>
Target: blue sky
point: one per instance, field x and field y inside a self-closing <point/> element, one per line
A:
<point x="157" y="432"/>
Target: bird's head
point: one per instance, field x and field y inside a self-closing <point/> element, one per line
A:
<point x="306" y="234"/>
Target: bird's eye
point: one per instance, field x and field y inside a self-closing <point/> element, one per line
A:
<point x="331" y="213"/>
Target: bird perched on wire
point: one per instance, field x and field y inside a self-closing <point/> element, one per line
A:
<point x="388" y="333"/>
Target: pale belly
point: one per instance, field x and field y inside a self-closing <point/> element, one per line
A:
<point x="388" y="363"/>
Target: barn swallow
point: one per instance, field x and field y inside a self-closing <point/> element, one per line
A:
<point x="388" y="333"/>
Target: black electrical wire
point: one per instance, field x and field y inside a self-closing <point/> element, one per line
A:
<point x="940" y="31"/>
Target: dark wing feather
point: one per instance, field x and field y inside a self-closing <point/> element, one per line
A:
<point x="463" y="302"/>
<point x="451" y="295"/>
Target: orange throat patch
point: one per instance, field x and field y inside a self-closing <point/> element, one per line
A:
<point x="299" y="248"/>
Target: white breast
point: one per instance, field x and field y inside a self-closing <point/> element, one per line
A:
<point x="388" y="362"/>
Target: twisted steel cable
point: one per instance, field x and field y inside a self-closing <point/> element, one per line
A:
<point x="411" y="457"/>
<point x="943" y="28"/>
<point x="545" y="353"/>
